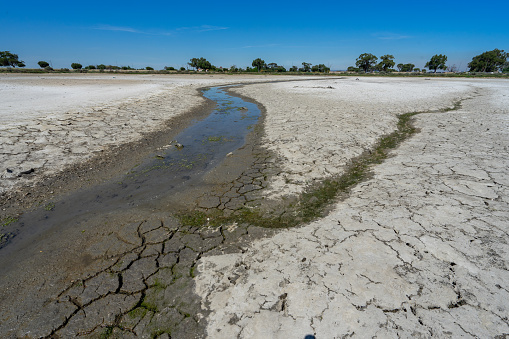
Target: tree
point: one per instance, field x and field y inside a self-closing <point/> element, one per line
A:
<point x="259" y="64"/>
<point x="490" y="61"/>
<point x="352" y="69"/>
<point x="43" y="64"/>
<point x="366" y="61"/>
<point x="386" y="62"/>
<point x="452" y="69"/>
<point x="9" y="59"/>
<point x="75" y="65"/>
<point x="407" y="68"/>
<point x="148" y="68"/>
<point x="272" y="66"/>
<point x="320" y="68"/>
<point x="200" y="63"/>
<point x="400" y="67"/>
<point x="437" y="61"/>
<point x="505" y="68"/>
<point x="417" y="69"/>
<point x="306" y="67"/>
<point x="294" y="69"/>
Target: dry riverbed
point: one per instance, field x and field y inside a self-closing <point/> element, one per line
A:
<point x="417" y="249"/>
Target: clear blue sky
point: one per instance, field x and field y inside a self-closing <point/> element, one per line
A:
<point x="167" y="33"/>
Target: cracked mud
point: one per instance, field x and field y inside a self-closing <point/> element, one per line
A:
<point x="418" y="249"/>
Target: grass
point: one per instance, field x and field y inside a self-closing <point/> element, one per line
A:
<point x="7" y="221"/>
<point x="108" y="331"/>
<point x="138" y="312"/>
<point x="49" y="206"/>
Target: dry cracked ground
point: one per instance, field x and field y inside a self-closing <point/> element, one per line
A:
<point x="418" y="249"/>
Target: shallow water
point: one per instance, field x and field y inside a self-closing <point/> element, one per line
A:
<point x="171" y="169"/>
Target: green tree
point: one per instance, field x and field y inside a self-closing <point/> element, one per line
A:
<point x="148" y="68"/>
<point x="294" y="69"/>
<point x="200" y="63"/>
<point x="352" y="69"/>
<point x="43" y="64"/>
<point x="490" y="61"/>
<point x="9" y="59"/>
<point x="306" y="67"/>
<point x="437" y="61"/>
<point x="272" y="66"/>
<point x="259" y="64"/>
<point x="407" y="68"/>
<point x="400" y="67"/>
<point x="366" y="62"/>
<point x="76" y="65"/>
<point x="320" y="68"/>
<point x="386" y="62"/>
<point x="505" y="68"/>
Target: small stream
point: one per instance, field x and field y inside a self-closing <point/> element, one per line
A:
<point x="174" y="168"/>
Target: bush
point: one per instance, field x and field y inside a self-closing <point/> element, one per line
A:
<point x="182" y="69"/>
<point x="47" y="68"/>
<point x="75" y="65"/>
<point x="148" y="68"/>
<point x="64" y="70"/>
<point x="43" y="64"/>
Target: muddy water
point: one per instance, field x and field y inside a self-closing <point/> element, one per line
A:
<point x="171" y="170"/>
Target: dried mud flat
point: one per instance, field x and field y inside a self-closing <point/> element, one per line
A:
<point x="418" y="249"/>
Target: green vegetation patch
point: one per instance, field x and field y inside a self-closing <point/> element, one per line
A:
<point x="7" y="221"/>
<point x="49" y="206"/>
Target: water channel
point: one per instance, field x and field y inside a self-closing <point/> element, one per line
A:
<point x="174" y="168"/>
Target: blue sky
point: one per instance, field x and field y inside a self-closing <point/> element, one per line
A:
<point x="167" y="33"/>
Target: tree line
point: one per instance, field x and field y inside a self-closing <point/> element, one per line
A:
<point x="258" y="65"/>
<point x="490" y="61"/>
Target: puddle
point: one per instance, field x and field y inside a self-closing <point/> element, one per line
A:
<point x="174" y="168"/>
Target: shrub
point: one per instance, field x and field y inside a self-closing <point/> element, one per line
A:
<point x="43" y="64"/>
<point x="148" y="68"/>
<point x="75" y="65"/>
